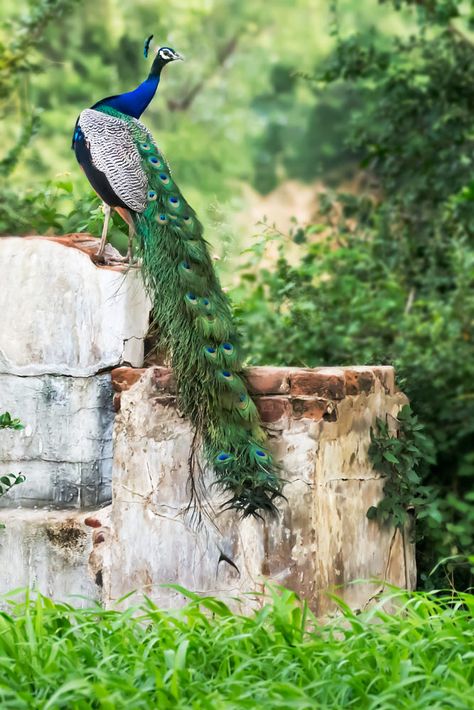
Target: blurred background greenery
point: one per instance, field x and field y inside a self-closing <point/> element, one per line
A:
<point x="328" y="147"/>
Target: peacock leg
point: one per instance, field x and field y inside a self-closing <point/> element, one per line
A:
<point x="103" y="240"/>
<point x="131" y="234"/>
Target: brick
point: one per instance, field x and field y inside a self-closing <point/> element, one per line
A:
<point x="268" y="380"/>
<point x="359" y="380"/>
<point x="92" y="523"/>
<point x="123" y="378"/>
<point x="325" y="382"/>
<point x="386" y="375"/>
<point x="272" y="409"/>
<point x="310" y="408"/>
<point x="164" y="380"/>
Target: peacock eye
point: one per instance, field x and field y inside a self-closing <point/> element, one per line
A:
<point x="152" y="195"/>
<point x="145" y="146"/>
<point x="162" y="218"/>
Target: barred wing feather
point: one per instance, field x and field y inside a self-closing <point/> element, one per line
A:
<point x="114" y="152"/>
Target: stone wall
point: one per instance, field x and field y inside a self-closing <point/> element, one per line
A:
<point x="319" y="425"/>
<point x="76" y="337"/>
<point x="65" y="322"/>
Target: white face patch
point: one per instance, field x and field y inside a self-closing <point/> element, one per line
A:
<point x="167" y="54"/>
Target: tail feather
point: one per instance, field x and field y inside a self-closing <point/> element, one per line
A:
<point x="194" y="319"/>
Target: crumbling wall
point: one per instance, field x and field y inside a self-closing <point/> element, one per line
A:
<point x="71" y="349"/>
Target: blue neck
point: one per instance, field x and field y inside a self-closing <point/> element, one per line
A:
<point x="134" y="102"/>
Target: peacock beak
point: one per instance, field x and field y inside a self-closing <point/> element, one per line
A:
<point x="178" y="56"/>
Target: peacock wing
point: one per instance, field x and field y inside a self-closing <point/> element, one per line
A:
<point x="112" y="145"/>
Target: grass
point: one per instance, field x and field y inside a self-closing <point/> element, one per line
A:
<point x="205" y="657"/>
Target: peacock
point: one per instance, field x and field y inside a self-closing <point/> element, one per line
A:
<point x="190" y="311"/>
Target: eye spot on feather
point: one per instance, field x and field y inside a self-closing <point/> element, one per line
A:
<point x="210" y="352"/>
<point x="174" y="202"/>
<point x="155" y="162"/>
<point x="261" y="454"/>
<point x="164" y="178"/>
<point x="226" y="374"/>
<point x="191" y="298"/>
<point x="224" y="457"/>
<point x="227" y="347"/>
<point x="152" y="195"/>
<point x="186" y="265"/>
<point x="162" y="219"/>
<point x="145" y="146"/>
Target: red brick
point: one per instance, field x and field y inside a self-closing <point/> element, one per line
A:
<point x="324" y="382"/>
<point x="268" y="380"/>
<point x="272" y="409"/>
<point x="358" y="380"/>
<point x="309" y="408"/>
<point x="92" y="523"/>
<point x="123" y="378"/>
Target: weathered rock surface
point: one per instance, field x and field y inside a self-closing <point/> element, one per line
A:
<point x="62" y="314"/>
<point x="65" y="450"/>
<point x="319" y="422"/>
<point x="65" y="322"/>
<point x="48" y="551"/>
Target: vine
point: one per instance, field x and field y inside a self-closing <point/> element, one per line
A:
<point x="8" y="480"/>
<point x="400" y="452"/>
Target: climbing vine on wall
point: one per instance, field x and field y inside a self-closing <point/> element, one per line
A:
<point x="8" y="480"/>
<point x="400" y="450"/>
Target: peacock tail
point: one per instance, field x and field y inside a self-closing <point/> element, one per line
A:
<point x="194" y="320"/>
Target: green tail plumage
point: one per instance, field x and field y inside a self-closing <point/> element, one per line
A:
<point x="194" y="320"/>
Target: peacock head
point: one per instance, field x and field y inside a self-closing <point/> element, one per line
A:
<point x="164" y="55"/>
<point x="167" y="55"/>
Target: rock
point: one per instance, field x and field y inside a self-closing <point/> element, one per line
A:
<point x="65" y="450"/>
<point x="68" y="316"/>
<point x="322" y="541"/>
<point x="47" y="551"/>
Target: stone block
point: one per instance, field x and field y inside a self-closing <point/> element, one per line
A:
<point x="65" y="450"/>
<point x="89" y="318"/>
<point x="47" y="551"/>
<point x="322" y="540"/>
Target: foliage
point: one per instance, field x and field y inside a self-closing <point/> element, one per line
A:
<point x="204" y="656"/>
<point x="8" y="422"/>
<point x="7" y="481"/>
<point x="388" y="274"/>
<point x="16" y="61"/>
<point x="399" y="456"/>
<point x="91" y="51"/>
